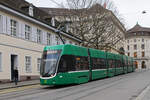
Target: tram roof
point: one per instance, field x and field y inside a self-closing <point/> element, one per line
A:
<point x="69" y="49"/>
<point x="97" y="53"/>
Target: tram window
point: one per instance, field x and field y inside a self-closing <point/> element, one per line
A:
<point x="94" y="63"/>
<point x="123" y="63"/>
<point x="132" y="63"/>
<point x="66" y="63"/>
<point x="81" y="63"/>
<point x="103" y="64"/>
<point x="118" y="63"/>
<point x="111" y="63"/>
<point x="129" y="63"/>
<point x="126" y="63"/>
<point x="98" y="63"/>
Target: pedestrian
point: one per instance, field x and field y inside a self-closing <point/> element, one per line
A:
<point x="16" y="75"/>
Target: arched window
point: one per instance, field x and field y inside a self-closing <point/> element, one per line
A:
<point x="143" y="64"/>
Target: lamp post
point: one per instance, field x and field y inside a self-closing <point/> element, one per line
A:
<point x="143" y="12"/>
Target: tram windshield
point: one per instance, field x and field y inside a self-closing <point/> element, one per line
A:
<point x="49" y="62"/>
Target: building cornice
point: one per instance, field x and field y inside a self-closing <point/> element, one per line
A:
<point x="117" y="22"/>
<point x="137" y="36"/>
<point x="36" y="22"/>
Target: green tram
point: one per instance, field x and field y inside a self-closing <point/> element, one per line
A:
<point x="71" y="64"/>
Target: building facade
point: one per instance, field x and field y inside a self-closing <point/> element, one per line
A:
<point x="24" y="31"/>
<point x="137" y="45"/>
<point x="115" y="29"/>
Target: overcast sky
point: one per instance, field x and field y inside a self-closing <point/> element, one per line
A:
<point x="131" y="10"/>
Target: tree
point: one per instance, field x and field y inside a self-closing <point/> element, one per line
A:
<point x="96" y="26"/>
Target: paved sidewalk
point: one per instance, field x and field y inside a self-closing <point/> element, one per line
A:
<point x="20" y="84"/>
<point x="145" y="95"/>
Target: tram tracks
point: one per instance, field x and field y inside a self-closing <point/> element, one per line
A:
<point x="64" y="92"/>
<point x="100" y="87"/>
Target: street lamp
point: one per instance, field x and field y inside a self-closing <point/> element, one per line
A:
<point x="143" y="12"/>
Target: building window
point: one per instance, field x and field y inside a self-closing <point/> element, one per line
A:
<point x="13" y="27"/>
<point x="135" y="47"/>
<point x="128" y="47"/>
<point x="134" y="40"/>
<point x="135" y="54"/>
<point x="0" y="61"/>
<point x="128" y="54"/>
<point x="143" y="54"/>
<point x="48" y="39"/>
<point x="39" y="36"/>
<point x="27" y="32"/>
<point x="28" y="64"/>
<point x="142" y="40"/>
<point x="38" y="64"/>
<point x="143" y="46"/>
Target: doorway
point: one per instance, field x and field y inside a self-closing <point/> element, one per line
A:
<point x="14" y="63"/>
<point x="136" y="64"/>
<point x="143" y="64"/>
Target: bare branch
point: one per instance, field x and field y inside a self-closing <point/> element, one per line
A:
<point x="94" y="24"/>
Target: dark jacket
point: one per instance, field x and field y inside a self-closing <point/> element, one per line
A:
<point x="16" y="73"/>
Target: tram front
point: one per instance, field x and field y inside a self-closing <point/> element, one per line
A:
<point x="48" y="67"/>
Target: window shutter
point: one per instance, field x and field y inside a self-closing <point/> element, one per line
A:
<point x="8" y="26"/>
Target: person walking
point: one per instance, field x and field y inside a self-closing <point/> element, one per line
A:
<point x="16" y="75"/>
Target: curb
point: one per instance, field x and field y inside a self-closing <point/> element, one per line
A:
<point x="143" y="93"/>
<point x="18" y="86"/>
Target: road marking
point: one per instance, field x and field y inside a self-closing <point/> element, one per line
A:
<point x="18" y="89"/>
<point x="142" y="94"/>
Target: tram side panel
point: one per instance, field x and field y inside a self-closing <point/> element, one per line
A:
<point x="98" y="64"/>
<point x="111" y="64"/>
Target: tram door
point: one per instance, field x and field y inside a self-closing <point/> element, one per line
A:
<point x="14" y="63"/>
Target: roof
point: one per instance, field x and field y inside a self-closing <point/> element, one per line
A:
<point x="138" y="30"/>
<point x="68" y="11"/>
<point x="96" y="8"/>
<point x="22" y="6"/>
<point x="55" y="11"/>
